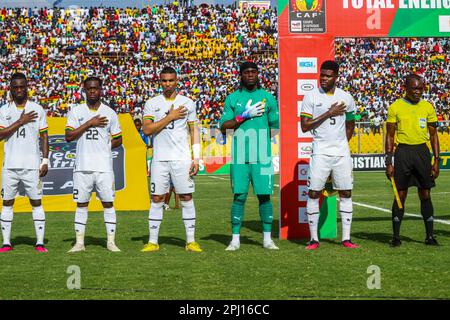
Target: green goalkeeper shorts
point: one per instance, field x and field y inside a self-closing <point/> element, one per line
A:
<point x="260" y="175"/>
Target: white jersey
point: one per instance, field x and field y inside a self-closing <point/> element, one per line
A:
<point x="22" y="147"/>
<point x="171" y="143"/>
<point x="94" y="146"/>
<point x="330" y="137"/>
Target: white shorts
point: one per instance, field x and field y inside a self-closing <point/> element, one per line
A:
<point x="84" y="182"/>
<point x="177" y="172"/>
<point x="30" y="179"/>
<point x="340" y="168"/>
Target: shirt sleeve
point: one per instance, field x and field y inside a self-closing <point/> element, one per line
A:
<point x="43" y="127"/>
<point x="3" y="123"/>
<point x="351" y="109"/>
<point x="274" y="114"/>
<point x="72" y="121"/>
<point x="228" y="112"/>
<point x="192" y="113"/>
<point x="432" y="118"/>
<point x="115" y="129"/>
<point x="149" y="111"/>
<point x="391" y="115"/>
<point x="307" y="107"/>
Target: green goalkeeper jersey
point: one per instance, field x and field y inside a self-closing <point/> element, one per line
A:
<point x="251" y="141"/>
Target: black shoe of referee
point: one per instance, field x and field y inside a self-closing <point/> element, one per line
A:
<point x="395" y="242"/>
<point x="431" y="241"/>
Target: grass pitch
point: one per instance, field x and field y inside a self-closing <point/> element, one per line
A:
<point x="412" y="271"/>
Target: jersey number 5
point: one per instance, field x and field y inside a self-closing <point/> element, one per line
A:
<point x="332" y="121"/>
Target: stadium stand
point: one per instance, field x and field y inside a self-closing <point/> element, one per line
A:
<point x="58" y="48"/>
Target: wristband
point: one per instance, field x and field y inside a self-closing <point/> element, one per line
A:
<point x="44" y="162"/>
<point x="196" y="151"/>
<point x="388" y="159"/>
<point x="437" y="158"/>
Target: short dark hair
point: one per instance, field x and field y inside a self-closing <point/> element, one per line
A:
<point x="18" y="75"/>
<point x="137" y="120"/>
<point x="93" y="78"/>
<point x="412" y="76"/>
<point x="168" y="70"/>
<point x="330" y="65"/>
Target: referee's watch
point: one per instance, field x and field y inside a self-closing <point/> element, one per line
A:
<point x="437" y="158"/>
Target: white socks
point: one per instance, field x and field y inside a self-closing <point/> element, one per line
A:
<point x="155" y="216"/>
<point x="236" y="238"/>
<point x="6" y="220"/>
<point x="39" y="224"/>
<point x="346" y="210"/>
<point x="267" y="237"/>
<point x="81" y="216"/>
<point x="312" y="211"/>
<point x="188" y="213"/>
<point x="109" y="215"/>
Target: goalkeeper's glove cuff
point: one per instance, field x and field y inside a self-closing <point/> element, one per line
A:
<point x="239" y="119"/>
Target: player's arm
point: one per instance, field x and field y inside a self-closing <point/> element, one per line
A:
<point x="74" y="134"/>
<point x="308" y="123"/>
<point x="25" y="118"/>
<point x="43" y="134"/>
<point x="273" y="114"/>
<point x="434" y="140"/>
<point x="196" y="147"/>
<point x="349" y="124"/>
<point x="116" y="142"/>
<point x="150" y="127"/>
<point x="389" y="148"/>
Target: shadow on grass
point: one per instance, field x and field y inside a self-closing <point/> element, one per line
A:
<point x="162" y="240"/>
<point x="225" y="239"/>
<point x="384" y="238"/>
<point x="256" y="226"/>
<point x="26" y="241"/>
<point x="90" y="241"/>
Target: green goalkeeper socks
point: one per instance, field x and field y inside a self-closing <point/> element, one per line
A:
<point x="265" y="212"/>
<point x="237" y="212"/>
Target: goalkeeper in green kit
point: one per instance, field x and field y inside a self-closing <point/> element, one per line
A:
<point x="251" y="112"/>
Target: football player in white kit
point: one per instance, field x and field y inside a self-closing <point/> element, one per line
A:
<point x="171" y="118"/>
<point x="96" y="128"/>
<point x="329" y="113"/>
<point x="22" y="124"/>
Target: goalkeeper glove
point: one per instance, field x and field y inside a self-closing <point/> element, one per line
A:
<point x="251" y="111"/>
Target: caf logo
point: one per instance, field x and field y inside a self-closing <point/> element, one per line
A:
<point x="306" y="5"/>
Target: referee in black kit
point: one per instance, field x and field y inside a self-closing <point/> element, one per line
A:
<point x="415" y="122"/>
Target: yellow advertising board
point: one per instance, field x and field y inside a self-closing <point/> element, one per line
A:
<point x="130" y="172"/>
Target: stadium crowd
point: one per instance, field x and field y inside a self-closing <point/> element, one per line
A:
<point x="372" y="70"/>
<point x="58" y="48"/>
<point x="127" y="47"/>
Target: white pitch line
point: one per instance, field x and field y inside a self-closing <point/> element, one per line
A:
<point x="214" y="177"/>
<point x="389" y="211"/>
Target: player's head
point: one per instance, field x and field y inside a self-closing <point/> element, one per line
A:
<point x="168" y="80"/>
<point x="249" y="75"/>
<point x="414" y="85"/>
<point x="19" y="87"/>
<point x="93" y="88"/>
<point x="329" y="72"/>
<point x="138" y="124"/>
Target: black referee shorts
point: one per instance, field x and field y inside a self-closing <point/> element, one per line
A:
<point x="412" y="167"/>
